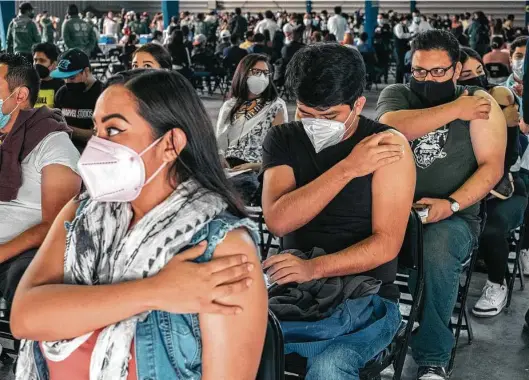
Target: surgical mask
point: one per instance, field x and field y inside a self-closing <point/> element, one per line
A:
<point x="433" y="93"/>
<point x="480" y="81"/>
<point x="4" y="119"/>
<point x="325" y="133"/>
<point x="43" y="71"/>
<point x="76" y="87"/>
<point x="417" y="20"/>
<point x="517" y="68"/>
<point x="380" y="22"/>
<point x="113" y="172"/>
<point x="307" y="21"/>
<point x="315" y="22"/>
<point x="257" y="84"/>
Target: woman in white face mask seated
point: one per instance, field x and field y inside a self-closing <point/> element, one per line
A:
<point x="244" y="120"/>
<point x="153" y="272"/>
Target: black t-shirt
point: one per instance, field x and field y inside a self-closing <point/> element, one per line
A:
<point x="78" y="107"/>
<point x="48" y="89"/>
<point x="346" y="220"/>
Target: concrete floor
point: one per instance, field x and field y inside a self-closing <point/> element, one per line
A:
<point x="500" y="350"/>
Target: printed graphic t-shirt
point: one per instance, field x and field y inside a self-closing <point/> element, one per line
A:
<point x="48" y="89"/>
<point x="78" y="107"/>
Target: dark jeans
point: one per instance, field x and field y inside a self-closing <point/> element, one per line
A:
<point x="525" y="244"/>
<point x="502" y="217"/>
<point x="447" y="245"/>
<point x="11" y="272"/>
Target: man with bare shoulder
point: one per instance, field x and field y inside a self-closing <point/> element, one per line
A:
<point x="336" y="180"/>
<point x="458" y="138"/>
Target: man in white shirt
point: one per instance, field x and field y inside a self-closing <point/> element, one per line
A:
<point x="38" y="171"/>
<point x="267" y="24"/>
<point x="419" y="24"/>
<point x="110" y="26"/>
<point x="402" y="45"/>
<point x="337" y="24"/>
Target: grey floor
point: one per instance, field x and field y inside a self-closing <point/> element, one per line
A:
<point x="500" y="350"/>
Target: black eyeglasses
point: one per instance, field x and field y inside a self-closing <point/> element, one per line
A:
<point x="259" y="72"/>
<point x="437" y="72"/>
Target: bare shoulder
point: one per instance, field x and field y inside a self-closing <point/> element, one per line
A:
<point x="237" y="241"/>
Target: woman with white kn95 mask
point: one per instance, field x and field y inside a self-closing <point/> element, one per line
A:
<point x="245" y="119"/>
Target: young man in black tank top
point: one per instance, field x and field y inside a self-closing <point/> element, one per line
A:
<point x="338" y="181"/>
<point x="458" y="142"/>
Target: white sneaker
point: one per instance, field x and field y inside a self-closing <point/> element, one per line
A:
<point x="492" y="301"/>
<point x="524" y="258"/>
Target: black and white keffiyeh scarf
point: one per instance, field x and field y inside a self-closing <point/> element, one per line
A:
<point x="101" y="249"/>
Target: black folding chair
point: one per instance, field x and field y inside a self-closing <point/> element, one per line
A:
<point x="410" y="259"/>
<point x="461" y="312"/>
<point x="267" y="240"/>
<point x="272" y="365"/>
<point x="7" y="337"/>
<point x="517" y="237"/>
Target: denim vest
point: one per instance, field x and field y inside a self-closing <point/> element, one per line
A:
<point x="169" y="346"/>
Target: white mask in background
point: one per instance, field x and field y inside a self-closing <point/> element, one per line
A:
<point x="417" y="20"/>
<point x="113" y="172"/>
<point x="257" y="83"/>
<point x="517" y="68"/>
<point x="307" y="21"/>
<point x="325" y="133"/>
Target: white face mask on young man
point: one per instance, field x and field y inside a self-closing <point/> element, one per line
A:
<point x="325" y="133"/>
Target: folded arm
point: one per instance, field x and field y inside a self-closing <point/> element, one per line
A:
<point x="59" y="185"/>
<point x="417" y="123"/>
<point x="286" y="208"/>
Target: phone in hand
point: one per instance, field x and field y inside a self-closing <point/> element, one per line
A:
<point x="422" y="211"/>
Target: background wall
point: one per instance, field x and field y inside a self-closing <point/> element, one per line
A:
<point x="498" y="9"/>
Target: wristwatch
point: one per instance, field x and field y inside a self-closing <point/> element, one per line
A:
<point x="454" y="205"/>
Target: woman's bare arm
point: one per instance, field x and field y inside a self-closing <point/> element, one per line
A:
<point x="45" y="309"/>
<point x="232" y="345"/>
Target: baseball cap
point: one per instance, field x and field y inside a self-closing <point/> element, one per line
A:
<point x="199" y="39"/>
<point x="225" y="34"/>
<point x="71" y="63"/>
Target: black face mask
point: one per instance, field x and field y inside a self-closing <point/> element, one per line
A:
<point x="43" y="71"/>
<point x="480" y="81"/>
<point x="433" y="93"/>
<point x="76" y="87"/>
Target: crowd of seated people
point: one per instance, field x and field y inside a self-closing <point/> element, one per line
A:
<point x="125" y="189"/>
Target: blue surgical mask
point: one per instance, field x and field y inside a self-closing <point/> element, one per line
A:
<point x="4" y="119"/>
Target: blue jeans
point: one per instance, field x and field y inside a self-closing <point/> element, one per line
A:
<point x="342" y="360"/>
<point x="447" y="245"/>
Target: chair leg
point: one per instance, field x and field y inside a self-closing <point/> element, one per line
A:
<point x="522" y="278"/>
<point x="469" y="326"/>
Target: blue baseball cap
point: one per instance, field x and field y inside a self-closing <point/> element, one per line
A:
<point x="71" y="63"/>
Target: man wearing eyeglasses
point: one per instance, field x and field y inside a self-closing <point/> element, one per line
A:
<point x="458" y="138"/>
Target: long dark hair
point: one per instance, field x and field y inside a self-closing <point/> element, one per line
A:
<point x="158" y="52"/>
<point x="177" y="42"/>
<point x="239" y="88"/>
<point x="166" y="100"/>
<point x="466" y="53"/>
